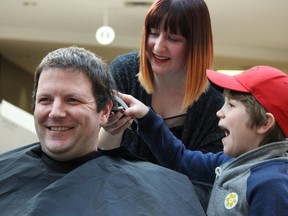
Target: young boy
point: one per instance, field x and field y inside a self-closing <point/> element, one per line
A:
<point x="251" y="176"/>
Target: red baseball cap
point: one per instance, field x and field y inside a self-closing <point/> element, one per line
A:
<point x="268" y="85"/>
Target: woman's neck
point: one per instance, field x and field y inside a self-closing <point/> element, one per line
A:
<point x="170" y="84"/>
<point x="168" y="96"/>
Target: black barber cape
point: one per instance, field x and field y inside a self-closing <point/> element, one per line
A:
<point x="98" y="184"/>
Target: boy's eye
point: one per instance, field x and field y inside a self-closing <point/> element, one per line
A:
<point x="230" y="104"/>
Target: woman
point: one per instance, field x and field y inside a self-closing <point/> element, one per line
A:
<point x="169" y="74"/>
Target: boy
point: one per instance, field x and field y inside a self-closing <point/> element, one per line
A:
<point x="251" y="176"/>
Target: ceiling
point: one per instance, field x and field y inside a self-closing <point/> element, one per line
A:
<point x="246" y="32"/>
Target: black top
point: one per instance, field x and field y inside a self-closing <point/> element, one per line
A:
<point x="200" y="130"/>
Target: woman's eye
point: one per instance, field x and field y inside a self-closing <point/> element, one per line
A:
<point x="176" y="38"/>
<point x="173" y="39"/>
<point x="153" y="32"/>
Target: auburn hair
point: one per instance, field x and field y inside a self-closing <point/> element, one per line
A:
<point x="191" y="19"/>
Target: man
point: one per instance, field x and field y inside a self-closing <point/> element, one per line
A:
<point x="64" y="174"/>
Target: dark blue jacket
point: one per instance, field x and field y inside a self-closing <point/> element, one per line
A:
<point x="255" y="183"/>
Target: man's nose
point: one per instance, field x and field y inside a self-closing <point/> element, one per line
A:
<point x="58" y="110"/>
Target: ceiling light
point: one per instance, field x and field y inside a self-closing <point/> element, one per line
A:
<point x="105" y="34"/>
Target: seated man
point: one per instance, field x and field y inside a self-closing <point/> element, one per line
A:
<point x="64" y="174"/>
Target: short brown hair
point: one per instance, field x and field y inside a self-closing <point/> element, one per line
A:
<point x="257" y="115"/>
<point x="85" y="61"/>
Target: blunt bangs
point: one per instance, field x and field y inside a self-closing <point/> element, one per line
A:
<point x="176" y="21"/>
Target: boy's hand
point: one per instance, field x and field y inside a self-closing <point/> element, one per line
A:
<point x="136" y="108"/>
<point x="118" y="122"/>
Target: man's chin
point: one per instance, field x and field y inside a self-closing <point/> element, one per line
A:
<point x="55" y="147"/>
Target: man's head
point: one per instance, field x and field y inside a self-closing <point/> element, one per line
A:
<point x="72" y="99"/>
<point x="85" y="61"/>
<point x="268" y="85"/>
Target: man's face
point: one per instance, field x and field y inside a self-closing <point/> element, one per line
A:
<point x="66" y="118"/>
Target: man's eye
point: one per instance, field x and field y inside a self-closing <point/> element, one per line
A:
<point x="72" y="100"/>
<point x="43" y="100"/>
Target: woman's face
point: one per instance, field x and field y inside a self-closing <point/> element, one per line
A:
<point x="166" y="52"/>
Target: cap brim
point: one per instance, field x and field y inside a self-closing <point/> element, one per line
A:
<point x="223" y="81"/>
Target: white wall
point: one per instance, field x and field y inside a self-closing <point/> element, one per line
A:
<point x="16" y="127"/>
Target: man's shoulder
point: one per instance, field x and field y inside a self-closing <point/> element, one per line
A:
<point x="158" y="185"/>
<point x="119" y="161"/>
<point x="138" y="170"/>
<point x="34" y="147"/>
<point x="121" y="186"/>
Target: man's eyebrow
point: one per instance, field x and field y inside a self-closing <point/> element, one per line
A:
<point x="41" y="94"/>
<point x="77" y="95"/>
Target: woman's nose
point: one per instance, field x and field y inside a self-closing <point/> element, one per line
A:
<point x="57" y="110"/>
<point x="160" y="44"/>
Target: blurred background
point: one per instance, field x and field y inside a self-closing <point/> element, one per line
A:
<point x="246" y="33"/>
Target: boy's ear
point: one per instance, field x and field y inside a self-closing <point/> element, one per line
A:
<point x="106" y="113"/>
<point x="266" y="126"/>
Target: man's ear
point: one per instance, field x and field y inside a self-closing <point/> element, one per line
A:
<point x="106" y="113"/>
<point x="266" y="126"/>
